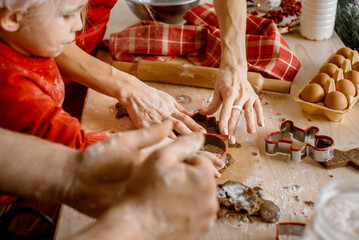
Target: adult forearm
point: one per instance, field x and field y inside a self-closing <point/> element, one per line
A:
<point x="232" y="22"/>
<point x="31" y="167"/>
<point x="121" y="222"/>
<point x="82" y="68"/>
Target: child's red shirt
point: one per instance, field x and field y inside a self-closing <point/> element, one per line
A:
<point x="31" y="96"/>
<point x="31" y="102"/>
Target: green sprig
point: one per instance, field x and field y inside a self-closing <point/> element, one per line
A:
<point x="347" y="22"/>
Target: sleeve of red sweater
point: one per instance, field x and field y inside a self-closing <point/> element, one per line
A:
<point x="97" y="16"/>
<point x="26" y="108"/>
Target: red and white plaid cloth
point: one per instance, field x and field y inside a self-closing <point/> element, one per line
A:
<point x="199" y="40"/>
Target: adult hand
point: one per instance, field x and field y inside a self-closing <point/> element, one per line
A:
<point x="177" y="186"/>
<point x="217" y="162"/>
<point x="233" y="91"/>
<point x="96" y="179"/>
<point x="148" y="105"/>
<point x="172" y="195"/>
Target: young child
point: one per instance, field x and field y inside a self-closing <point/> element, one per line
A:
<point x="32" y="33"/>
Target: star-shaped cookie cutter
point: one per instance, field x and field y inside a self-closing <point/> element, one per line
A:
<point x="321" y="150"/>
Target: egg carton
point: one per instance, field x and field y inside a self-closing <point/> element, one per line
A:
<point x="319" y="108"/>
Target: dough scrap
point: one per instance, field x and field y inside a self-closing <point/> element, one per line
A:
<point x="237" y="199"/>
<point x="235" y="195"/>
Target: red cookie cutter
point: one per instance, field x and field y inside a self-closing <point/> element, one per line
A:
<point x="289" y="229"/>
<point x="322" y="150"/>
<point x="213" y="136"/>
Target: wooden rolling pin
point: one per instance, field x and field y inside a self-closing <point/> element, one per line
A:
<point x="196" y="76"/>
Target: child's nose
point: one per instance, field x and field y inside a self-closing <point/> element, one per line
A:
<point x="77" y="24"/>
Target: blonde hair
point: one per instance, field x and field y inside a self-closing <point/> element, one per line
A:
<point x="22" y="4"/>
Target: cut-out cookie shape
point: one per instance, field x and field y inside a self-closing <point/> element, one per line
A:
<point x="343" y="159"/>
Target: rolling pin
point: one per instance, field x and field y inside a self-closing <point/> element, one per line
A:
<point x="196" y="76"/>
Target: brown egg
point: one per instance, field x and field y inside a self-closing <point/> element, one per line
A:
<point x="352" y="76"/>
<point x="355" y="66"/>
<point x="345" y="86"/>
<point x="321" y="79"/>
<point x="313" y="93"/>
<point x="336" y="59"/>
<point x="328" y="68"/>
<point x="336" y="100"/>
<point x="345" y="51"/>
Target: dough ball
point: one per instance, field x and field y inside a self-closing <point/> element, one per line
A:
<point x="269" y="211"/>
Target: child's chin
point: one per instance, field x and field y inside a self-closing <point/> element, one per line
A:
<point x="55" y="54"/>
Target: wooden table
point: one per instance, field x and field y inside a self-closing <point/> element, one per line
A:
<point x="290" y="185"/>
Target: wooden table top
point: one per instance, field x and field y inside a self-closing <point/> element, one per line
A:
<point x="290" y="185"/>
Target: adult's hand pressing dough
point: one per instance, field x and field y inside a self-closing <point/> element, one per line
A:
<point x="232" y="89"/>
<point x="96" y="180"/>
<point x="172" y="195"/>
<point x="147" y="105"/>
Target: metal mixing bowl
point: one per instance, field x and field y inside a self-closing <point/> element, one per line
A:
<point x="168" y="11"/>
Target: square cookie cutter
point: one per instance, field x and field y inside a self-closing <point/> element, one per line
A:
<point x="321" y="151"/>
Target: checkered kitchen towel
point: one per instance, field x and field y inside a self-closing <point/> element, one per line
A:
<point x="199" y="40"/>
